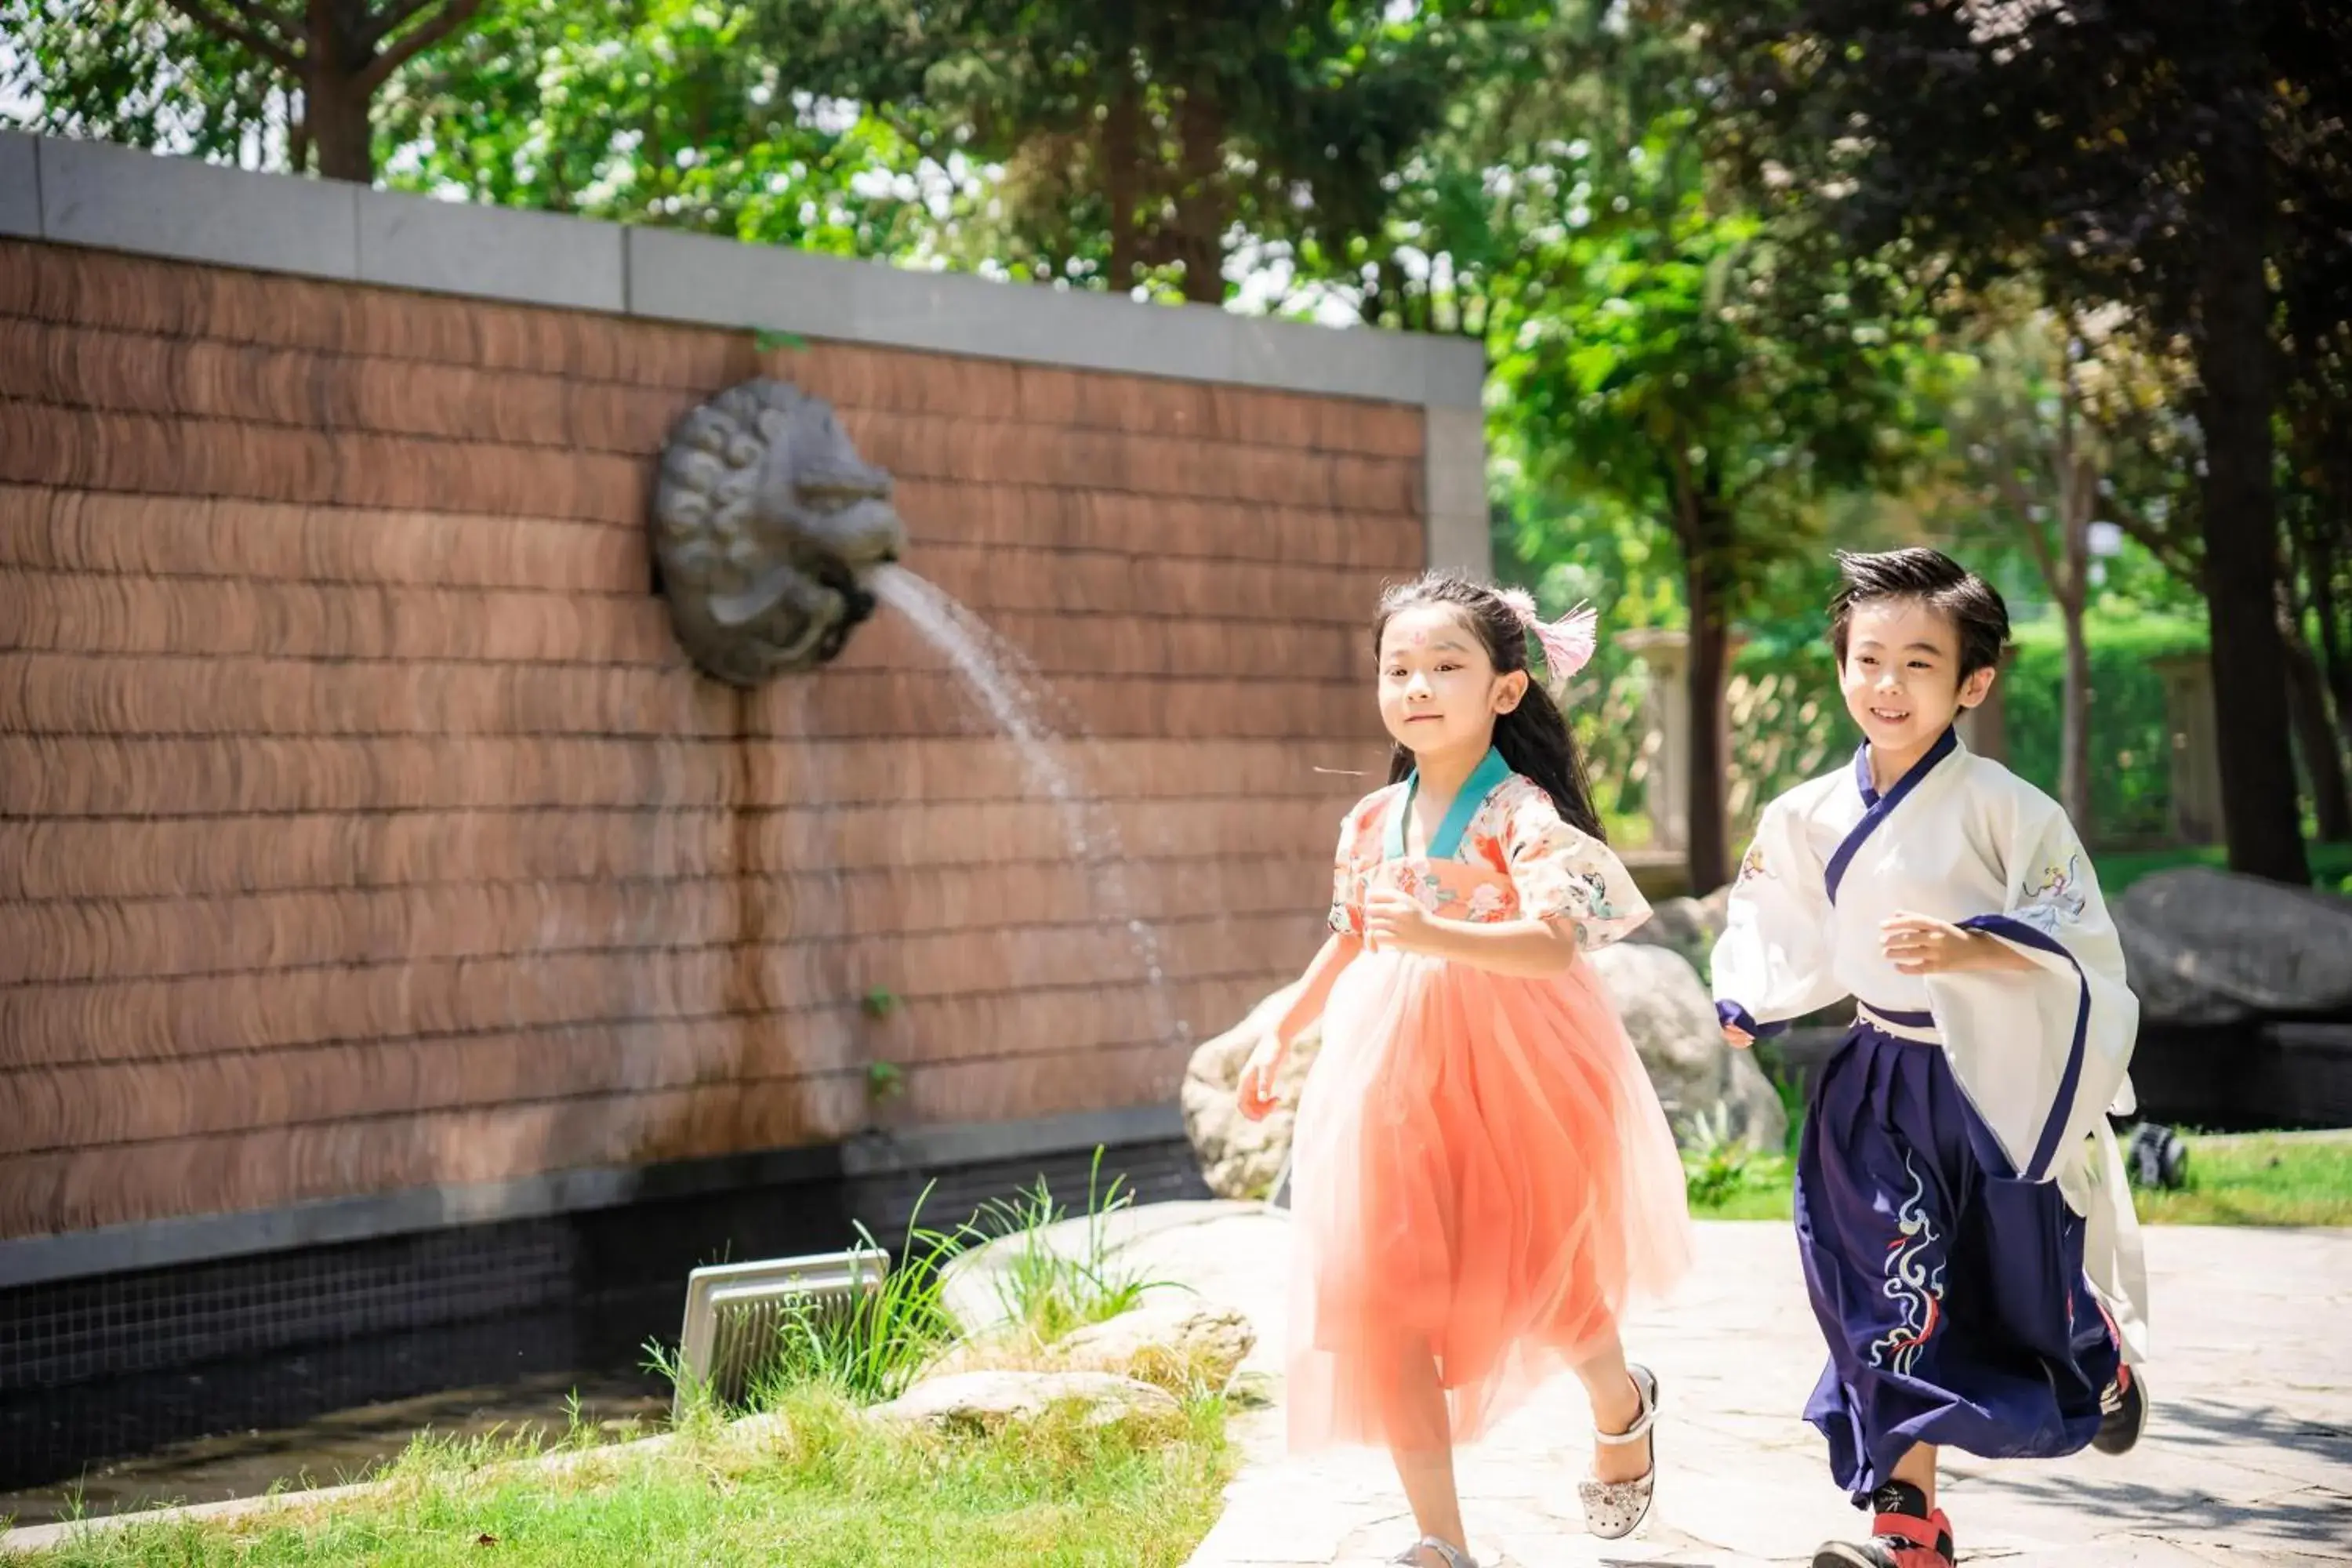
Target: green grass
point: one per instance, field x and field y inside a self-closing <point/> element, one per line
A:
<point x="2331" y="864"/>
<point x="1758" y="1187"/>
<point x="816" y="1481"/>
<point x="826" y="1487"/>
<point x="1723" y="1178"/>
<point x="2251" y="1180"/>
<point x="2257" y="1180"/>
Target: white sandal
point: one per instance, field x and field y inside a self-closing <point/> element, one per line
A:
<point x="1615" y="1509"/>
<point x="1455" y="1556"/>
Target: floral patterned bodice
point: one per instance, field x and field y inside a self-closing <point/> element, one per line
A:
<point x="1515" y="859"/>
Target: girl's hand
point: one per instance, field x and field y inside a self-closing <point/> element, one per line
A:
<point x="1256" y="1089"/>
<point x="1916" y="944"/>
<point x="1396" y="920"/>
<point x="1738" y="1038"/>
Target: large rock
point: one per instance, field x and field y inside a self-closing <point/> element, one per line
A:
<point x="969" y="1403"/>
<point x="1671" y="1018"/>
<point x="1241" y="1158"/>
<point x="2206" y="947"/>
<point x="1172" y="1342"/>
<point x="1687" y="926"/>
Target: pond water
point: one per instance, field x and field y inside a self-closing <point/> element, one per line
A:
<point x="343" y="1446"/>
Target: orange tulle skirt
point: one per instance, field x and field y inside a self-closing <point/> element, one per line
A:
<point x="1481" y="1171"/>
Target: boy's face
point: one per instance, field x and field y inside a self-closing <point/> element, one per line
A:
<point x="1902" y="674"/>
<point x="1439" y="690"/>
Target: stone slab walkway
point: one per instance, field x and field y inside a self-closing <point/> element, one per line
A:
<point x="2248" y="1461"/>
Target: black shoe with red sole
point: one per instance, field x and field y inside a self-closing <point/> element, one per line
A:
<point x="2123" y="1414"/>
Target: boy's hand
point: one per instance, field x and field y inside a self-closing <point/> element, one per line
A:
<point x="1737" y="1037"/>
<point x="1256" y="1089"/>
<point x="1916" y="944"/>
<point x="1396" y="920"/>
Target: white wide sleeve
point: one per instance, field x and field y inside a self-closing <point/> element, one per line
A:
<point x="2073" y="1014"/>
<point x="1772" y="962"/>
<point x="2045" y="1056"/>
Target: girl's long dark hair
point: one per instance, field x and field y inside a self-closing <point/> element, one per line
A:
<point x="1534" y="737"/>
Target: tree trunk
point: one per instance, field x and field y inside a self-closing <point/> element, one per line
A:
<point x="2078" y="489"/>
<point x="2330" y="533"/>
<point x="1710" y="646"/>
<point x="2240" y="512"/>
<point x="2337" y="659"/>
<point x="1122" y="174"/>
<point x="1373" y="299"/>
<point x="2309" y="593"/>
<point x="1202" y="208"/>
<point x="1707" y="591"/>
<point x="335" y="115"/>
<point x="298" y="134"/>
<point x="2315" y="738"/>
<point x="2075" y="738"/>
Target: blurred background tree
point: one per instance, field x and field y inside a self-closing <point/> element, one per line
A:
<point x="2065" y="288"/>
<point x="2157" y="159"/>
<point x="277" y="82"/>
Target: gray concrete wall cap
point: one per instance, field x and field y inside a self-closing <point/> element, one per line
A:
<point x="499" y="253"/>
<point x="121" y="198"/>
<point x="20" y="185"/>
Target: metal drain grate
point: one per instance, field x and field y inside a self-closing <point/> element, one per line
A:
<point x="735" y="1312"/>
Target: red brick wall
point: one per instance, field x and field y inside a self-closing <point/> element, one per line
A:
<point x="360" y="826"/>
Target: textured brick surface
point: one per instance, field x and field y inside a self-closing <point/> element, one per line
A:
<point x="361" y="828"/>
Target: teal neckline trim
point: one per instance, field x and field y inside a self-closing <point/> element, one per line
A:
<point x="1484" y="780"/>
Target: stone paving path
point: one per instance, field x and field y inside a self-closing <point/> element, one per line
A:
<point x="2248" y="1461"/>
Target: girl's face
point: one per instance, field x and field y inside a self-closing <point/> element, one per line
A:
<point x="1901" y="675"/>
<point x="1440" y="692"/>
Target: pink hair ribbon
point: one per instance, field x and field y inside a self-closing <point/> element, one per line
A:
<point x="1568" y="643"/>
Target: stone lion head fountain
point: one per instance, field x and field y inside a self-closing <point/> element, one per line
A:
<point x="766" y="525"/>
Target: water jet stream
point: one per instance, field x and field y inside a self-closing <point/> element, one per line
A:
<point x="1015" y="695"/>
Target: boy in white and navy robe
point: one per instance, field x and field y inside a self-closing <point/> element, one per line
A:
<point x="1962" y="1211"/>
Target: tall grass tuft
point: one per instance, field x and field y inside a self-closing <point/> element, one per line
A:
<point x="870" y="1349"/>
<point x="1715" y="1163"/>
<point x="1049" y="1292"/>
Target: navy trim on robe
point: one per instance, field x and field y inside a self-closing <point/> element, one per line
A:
<point x="1734" y="1016"/>
<point x="1862" y="779"/>
<point x="1881" y="807"/>
<point x="2045" y="1148"/>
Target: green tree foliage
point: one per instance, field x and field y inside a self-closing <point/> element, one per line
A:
<point x="143" y="75"/>
<point x="272" y="82"/>
<point x="2165" y="156"/>
<point x="668" y="111"/>
<point x="2031" y="458"/>
<point x="1137" y="143"/>
<point x="1660" y="352"/>
<point x="2316" y="504"/>
<point x="1673" y="380"/>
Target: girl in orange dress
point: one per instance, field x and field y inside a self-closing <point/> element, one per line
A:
<point x="1482" y="1177"/>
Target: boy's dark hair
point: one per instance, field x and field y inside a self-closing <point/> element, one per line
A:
<point x="1533" y="737"/>
<point x="1972" y="605"/>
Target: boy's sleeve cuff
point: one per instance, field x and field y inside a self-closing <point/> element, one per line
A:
<point x="1733" y="1016"/>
